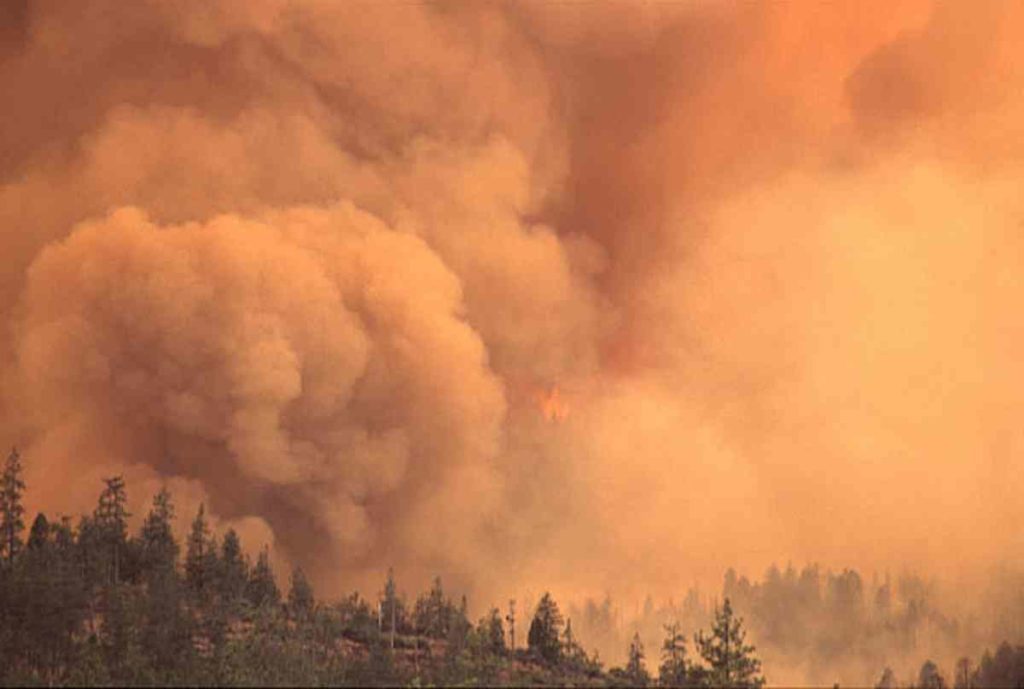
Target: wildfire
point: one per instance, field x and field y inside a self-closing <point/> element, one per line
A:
<point x="552" y="406"/>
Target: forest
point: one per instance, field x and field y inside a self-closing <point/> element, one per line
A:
<point x="88" y="603"/>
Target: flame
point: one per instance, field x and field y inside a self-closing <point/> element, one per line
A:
<point x="552" y="406"/>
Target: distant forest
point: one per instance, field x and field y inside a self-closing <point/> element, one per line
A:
<point x="89" y="603"/>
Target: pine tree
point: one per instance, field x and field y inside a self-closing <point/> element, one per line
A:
<point x="261" y="589"/>
<point x="391" y="612"/>
<point x="636" y="670"/>
<point x="730" y="660"/>
<point x="12" y="512"/>
<point x="545" y="629"/>
<point x="459" y="626"/>
<point x="200" y="556"/>
<point x="234" y="570"/>
<point x="300" y="595"/>
<point x="159" y="549"/>
<point x="39" y="534"/>
<point x="673" y="669"/>
<point x="929" y="677"/>
<point x="492" y="633"/>
<point x="432" y="614"/>
<point x="111" y="520"/>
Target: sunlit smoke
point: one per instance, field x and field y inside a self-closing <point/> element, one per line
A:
<point x="319" y="265"/>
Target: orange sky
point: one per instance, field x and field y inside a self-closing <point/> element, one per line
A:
<point x="315" y="262"/>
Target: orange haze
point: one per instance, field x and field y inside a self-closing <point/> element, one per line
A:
<point x="299" y="259"/>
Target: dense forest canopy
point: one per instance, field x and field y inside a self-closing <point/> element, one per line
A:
<point x="90" y="602"/>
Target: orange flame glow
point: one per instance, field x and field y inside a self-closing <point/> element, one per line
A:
<point x="552" y="406"/>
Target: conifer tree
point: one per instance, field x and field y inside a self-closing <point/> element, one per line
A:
<point x="12" y="512"/>
<point x="159" y="548"/>
<point x="636" y="670"/>
<point x="673" y="669"/>
<point x="545" y="629"/>
<point x="432" y="612"/>
<point x="492" y="633"/>
<point x="391" y="612"/>
<point x="111" y="519"/>
<point x="300" y="594"/>
<point x="459" y="626"/>
<point x="574" y="658"/>
<point x="262" y="589"/>
<point x="200" y="556"/>
<point x="234" y="569"/>
<point x="39" y="534"/>
<point x="929" y="677"/>
<point x="730" y="659"/>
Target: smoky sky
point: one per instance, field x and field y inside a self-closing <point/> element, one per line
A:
<point x="322" y="264"/>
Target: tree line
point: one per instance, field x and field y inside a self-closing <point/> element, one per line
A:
<point x="90" y="603"/>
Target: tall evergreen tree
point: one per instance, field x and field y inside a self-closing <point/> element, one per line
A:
<point x="234" y="569"/>
<point x="432" y="614"/>
<point x="300" y="594"/>
<point x="636" y="670"/>
<point x="730" y="659"/>
<point x="392" y="611"/>
<point x="12" y="512"/>
<point x="545" y="629"/>
<point x="262" y="589"/>
<point x="673" y="669"/>
<point x="39" y="534"/>
<point x="459" y="627"/>
<point x="64" y="535"/>
<point x="111" y="519"/>
<point x="159" y="549"/>
<point x="492" y="633"/>
<point x="200" y="556"/>
<point x="929" y="677"/>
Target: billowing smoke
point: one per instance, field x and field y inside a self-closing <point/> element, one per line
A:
<point x="329" y="265"/>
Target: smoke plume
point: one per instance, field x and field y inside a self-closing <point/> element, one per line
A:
<point x="603" y="297"/>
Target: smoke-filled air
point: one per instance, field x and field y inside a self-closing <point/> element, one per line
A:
<point x="602" y="298"/>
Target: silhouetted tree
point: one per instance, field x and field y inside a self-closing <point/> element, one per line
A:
<point x="636" y="670"/>
<point x="234" y="569"/>
<point x="262" y="589"/>
<point x="432" y="613"/>
<point x="39" y="534"/>
<point x="200" y="556"/>
<point x="12" y="512"/>
<point x="492" y="633"/>
<point x="391" y="613"/>
<point x="300" y="594"/>
<point x="157" y="546"/>
<point x="111" y="519"/>
<point x="730" y="660"/>
<point x="545" y="629"/>
<point x="673" y="669"/>
<point x="929" y="677"/>
<point x="1005" y="669"/>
